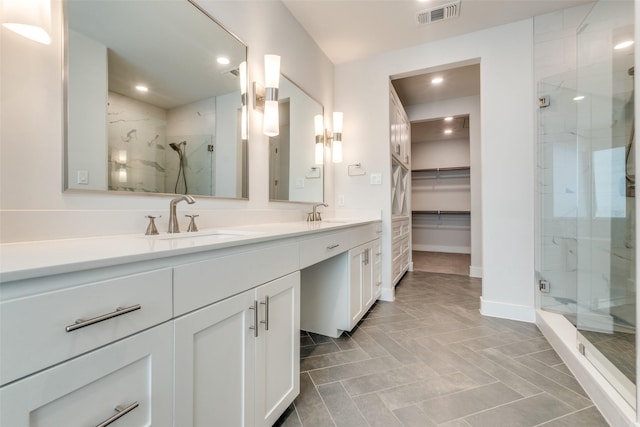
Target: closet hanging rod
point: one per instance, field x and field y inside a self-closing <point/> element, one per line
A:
<point x="442" y="212"/>
<point x="447" y="169"/>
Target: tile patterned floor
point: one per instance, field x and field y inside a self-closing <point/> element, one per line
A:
<point x="439" y="262"/>
<point x="430" y="359"/>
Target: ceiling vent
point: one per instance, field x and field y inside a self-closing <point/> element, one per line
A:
<point x="440" y="13"/>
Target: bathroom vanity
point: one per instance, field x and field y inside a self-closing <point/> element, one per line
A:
<point x="175" y="330"/>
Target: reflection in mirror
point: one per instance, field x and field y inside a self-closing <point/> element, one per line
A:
<point x="154" y="100"/>
<point x="294" y="175"/>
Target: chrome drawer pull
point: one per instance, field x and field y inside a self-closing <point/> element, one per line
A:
<point x="266" y="313"/>
<point x="335" y="245"/>
<point x="121" y="412"/>
<point x="254" y="307"/>
<point x="119" y="312"/>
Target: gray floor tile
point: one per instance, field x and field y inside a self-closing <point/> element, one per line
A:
<point x="530" y="411"/>
<point x="431" y="359"/>
<point x="353" y="370"/>
<point x="375" y="412"/>
<point x="589" y="417"/>
<point x="309" y="405"/>
<point x="426" y="389"/>
<point x="342" y="409"/>
<point x="413" y="416"/>
<point x="458" y="405"/>
<point x="333" y="359"/>
<point x="319" y="349"/>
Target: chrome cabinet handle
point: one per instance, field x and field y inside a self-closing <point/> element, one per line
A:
<point x="254" y="307"/>
<point x="335" y="245"/>
<point x="81" y="323"/>
<point x="266" y="313"/>
<point x="120" y="412"/>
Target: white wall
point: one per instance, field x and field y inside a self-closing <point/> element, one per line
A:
<point x="31" y="130"/>
<point x="507" y="152"/>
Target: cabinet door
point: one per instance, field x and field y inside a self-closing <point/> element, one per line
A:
<point x="278" y="348"/>
<point x="133" y="375"/>
<point x="367" y="276"/>
<point x="377" y="269"/>
<point x="214" y="364"/>
<point x="356" y="309"/>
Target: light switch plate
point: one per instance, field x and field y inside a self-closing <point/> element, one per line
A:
<point x="299" y="182"/>
<point x="376" y="179"/>
<point x="83" y="177"/>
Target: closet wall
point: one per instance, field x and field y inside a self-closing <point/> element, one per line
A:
<point x="441" y="186"/>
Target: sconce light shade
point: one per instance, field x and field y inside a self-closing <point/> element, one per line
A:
<point x="29" y="18"/>
<point x="272" y="71"/>
<point x="337" y="137"/>
<point x="271" y="124"/>
<point x="318" y="126"/>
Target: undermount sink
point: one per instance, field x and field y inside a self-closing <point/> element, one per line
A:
<point x="336" y="221"/>
<point x="220" y="234"/>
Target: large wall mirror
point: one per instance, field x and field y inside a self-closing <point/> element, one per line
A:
<point x="154" y="101"/>
<point x="294" y="173"/>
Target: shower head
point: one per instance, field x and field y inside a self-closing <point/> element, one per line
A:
<point x="178" y="147"/>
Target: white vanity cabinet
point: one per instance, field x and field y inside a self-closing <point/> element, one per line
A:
<point x="338" y="291"/>
<point x="133" y="375"/>
<point x="237" y="360"/>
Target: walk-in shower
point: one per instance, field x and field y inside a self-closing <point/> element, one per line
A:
<point x="587" y="194"/>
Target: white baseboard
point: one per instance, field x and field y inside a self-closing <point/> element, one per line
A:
<point x="440" y="248"/>
<point x="388" y="294"/>
<point x="503" y="310"/>
<point x="475" y="271"/>
<point x="561" y="334"/>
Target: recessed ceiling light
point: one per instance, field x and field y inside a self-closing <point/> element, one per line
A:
<point x="142" y="88"/>
<point x="623" y="44"/>
<point x="448" y="131"/>
<point x="223" y="60"/>
<point x="448" y="119"/>
<point x="437" y="80"/>
<point x="579" y="98"/>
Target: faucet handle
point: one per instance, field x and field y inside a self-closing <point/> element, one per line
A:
<point x="318" y="217"/>
<point x="310" y="217"/>
<point x="192" y="223"/>
<point x="151" y="228"/>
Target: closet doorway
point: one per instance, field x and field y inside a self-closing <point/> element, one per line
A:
<point x="441" y="195"/>
<point x="443" y="107"/>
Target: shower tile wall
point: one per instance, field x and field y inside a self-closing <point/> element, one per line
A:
<point x="139" y="129"/>
<point x="144" y="132"/>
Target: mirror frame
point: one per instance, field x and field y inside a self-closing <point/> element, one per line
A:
<point x="65" y="118"/>
<point x="324" y="141"/>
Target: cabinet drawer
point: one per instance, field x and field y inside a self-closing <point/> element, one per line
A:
<point x="396" y="251"/>
<point x="37" y="325"/>
<point x="318" y="249"/>
<point x="404" y="244"/>
<point x="400" y="228"/>
<point x="205" y="282"/>
<point x="85" y="391"/>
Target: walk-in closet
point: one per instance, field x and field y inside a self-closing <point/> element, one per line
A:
<point x="443" y="109"/>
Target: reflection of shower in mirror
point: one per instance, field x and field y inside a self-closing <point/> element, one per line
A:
<point x="180" y="149"/>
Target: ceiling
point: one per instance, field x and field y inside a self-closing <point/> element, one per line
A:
<point x="347" y="30"/>
<point x="434" y="130"/>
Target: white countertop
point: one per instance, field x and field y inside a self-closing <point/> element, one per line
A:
<point x="26" y="260"/>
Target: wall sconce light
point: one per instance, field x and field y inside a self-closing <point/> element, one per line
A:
<point x="119" y="158"/>
<point x="318" y="123"/>
<point x="29" y="18"/>
<point x="242" y="69"/>
<point x="266" y="98"/>
<point x="337" y="137"/>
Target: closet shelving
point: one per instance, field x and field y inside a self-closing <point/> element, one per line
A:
<point x="449" y="188"/>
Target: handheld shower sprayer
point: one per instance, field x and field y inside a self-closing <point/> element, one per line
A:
<point x="180" y="149"/>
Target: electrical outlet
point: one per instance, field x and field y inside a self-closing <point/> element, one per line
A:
<point x="341" y="200"/>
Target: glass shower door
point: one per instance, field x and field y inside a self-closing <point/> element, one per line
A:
<point x="558" y="191"/>
<point x="606" y="291"/>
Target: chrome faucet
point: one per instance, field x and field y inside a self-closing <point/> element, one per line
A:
<point x="173" y="219"/>
<point x="315" y="215"/>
